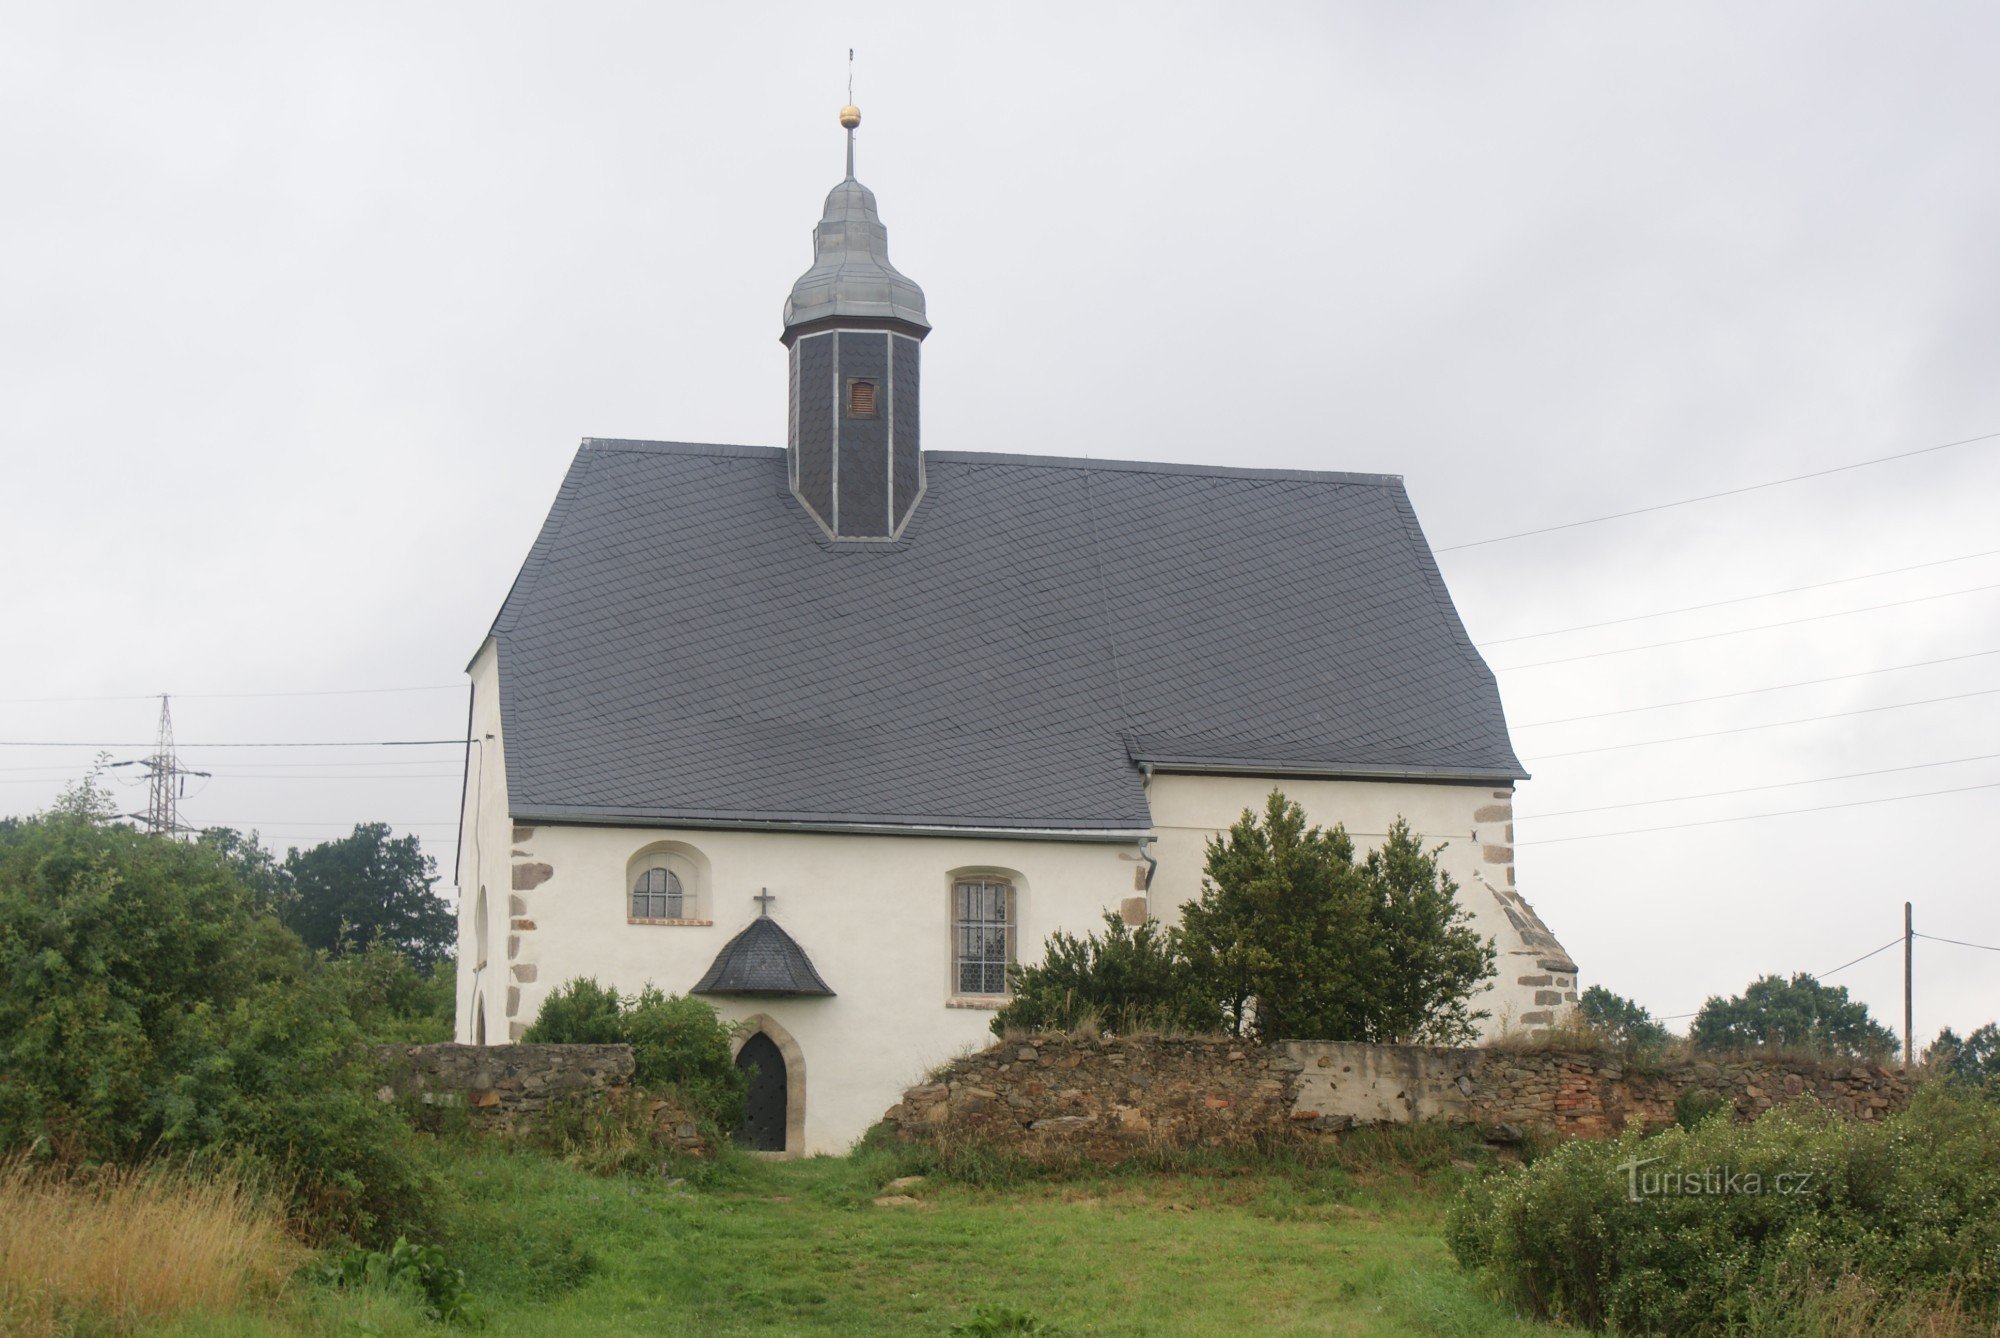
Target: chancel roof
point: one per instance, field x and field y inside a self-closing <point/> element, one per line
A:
<point x="684" y="646"/>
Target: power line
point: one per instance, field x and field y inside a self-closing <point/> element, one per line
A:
<point x="1676" y="1017"/>
<point x="1752" y="692"/>
<point x="1771" y="724"/>
<point x="222" y="696"/>
<point x="1738" y="599"/>
<point x="1752" y="789"/>
<point x="241" y="823"/>
<point x="1755" y="627"/>
<point x="1984" y="947"/>
<point x="1711" y="496"/>
<point x="334" y="743"/>
<point x="1752" y="817"/>
<point x="1862" y="958"/>
<point x="341" y="776"/>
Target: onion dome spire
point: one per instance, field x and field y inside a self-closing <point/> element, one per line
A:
<point x="851" y="275"/>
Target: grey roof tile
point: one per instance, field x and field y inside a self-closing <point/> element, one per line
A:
<point x="684" y="644"/>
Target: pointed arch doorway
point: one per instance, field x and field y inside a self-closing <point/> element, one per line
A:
<point x="774" y="1108"/>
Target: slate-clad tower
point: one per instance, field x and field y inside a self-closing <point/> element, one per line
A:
<point x="854" y="326"/>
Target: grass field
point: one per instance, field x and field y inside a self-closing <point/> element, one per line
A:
<point x="801" y="1247"/>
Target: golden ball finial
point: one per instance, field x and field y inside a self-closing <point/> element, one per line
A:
<point x="850" y="116"/>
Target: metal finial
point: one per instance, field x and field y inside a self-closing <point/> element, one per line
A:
<point x="850" y="115"/>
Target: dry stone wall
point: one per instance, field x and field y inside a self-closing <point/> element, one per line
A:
<point x="513" y="1087"/>
<point x="1107" y="1097"/>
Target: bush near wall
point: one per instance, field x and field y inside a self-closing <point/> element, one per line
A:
<point x="680" y="1046"/>
<point x="1798" y="1222"/>
<point x="151" y="1005"/>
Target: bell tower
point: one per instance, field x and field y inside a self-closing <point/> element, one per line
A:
<point x="854" y="327"/>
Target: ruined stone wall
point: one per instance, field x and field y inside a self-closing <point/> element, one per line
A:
<point x="1108" y="1097"/>
<point x="512" y="1087"/>
<point x="1562" y="1094"/>
<point x="1051" y="1092"/>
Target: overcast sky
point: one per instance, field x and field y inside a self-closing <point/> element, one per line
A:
<point x="304" y="309"/>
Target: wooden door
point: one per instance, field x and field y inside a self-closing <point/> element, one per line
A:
<point x="764" y="1109"/>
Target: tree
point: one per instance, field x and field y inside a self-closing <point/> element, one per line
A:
<point x="1619" y="1020"/>
<point x="152" y="1005"/>
<point x="1126" y="980"/>
<point x="367" y="888"/>
<point x="1436" y="960"/>
<point x="1976" y="1059"/>
<point x="1800" y="1013"/>
<point x="1290" y="937"/>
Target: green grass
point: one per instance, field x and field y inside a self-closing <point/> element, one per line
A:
<point x="744" y="1247"/>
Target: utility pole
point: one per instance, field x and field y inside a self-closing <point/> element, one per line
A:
<point x="1909" y="993"/>
<point x="167" y="780"/>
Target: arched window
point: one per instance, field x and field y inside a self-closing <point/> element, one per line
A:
<point x="658" y="895"/>
<point x="667" y="884"/>
<point x="479" y="930"/>
<point x="985" y="910"/>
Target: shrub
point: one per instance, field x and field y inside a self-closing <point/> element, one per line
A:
<point x="678" y="1044"/>
<point x="581" y="1012"/>
<point x="1126" y="981"/>
<point x="150" y="1003"/>
<point x="1694" y="1231"/>
<point x="419" y="1273"/>
<point x="1693" y="1106"/>
<point x="392" y="999"/>
<point x="1292" y="938"/>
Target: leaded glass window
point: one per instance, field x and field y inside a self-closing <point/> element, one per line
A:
<point x="983" y="935"/>
<point x="657" y="896"/>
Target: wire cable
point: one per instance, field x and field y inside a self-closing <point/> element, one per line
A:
<point x="332" y="743"/>
<point x="1752" y="692"/>
<point x="1769" y="724"/>
<point x="1862" y="958"/>
<point x="1739" y="599"/>
<point x="1726" y="492"/>
<point x="221" y="696"/>
<point x="1752" y="789"/>
<point x="1983" y="947"/>
<point x="1676" y="1017"/>
<point x="1752" y="817"/>
<point x="1755" y="627"/>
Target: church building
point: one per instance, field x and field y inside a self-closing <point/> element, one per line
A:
<point x="829" y="734"/>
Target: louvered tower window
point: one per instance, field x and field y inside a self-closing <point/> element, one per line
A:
<point x="860" y="399"/>
<point x="657" y="896"/>
<point x="983" y="935"/>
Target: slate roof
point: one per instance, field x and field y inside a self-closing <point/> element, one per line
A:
<point x="763" y="959"/>
<point x="683" y="645"/>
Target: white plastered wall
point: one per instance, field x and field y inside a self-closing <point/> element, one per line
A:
<point x="483" y="859"/>
<point x="1533" y="978"/>
<point x="872" y="912"/>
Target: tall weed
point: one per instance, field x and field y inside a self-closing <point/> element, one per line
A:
<point x="120" y="1248"/>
